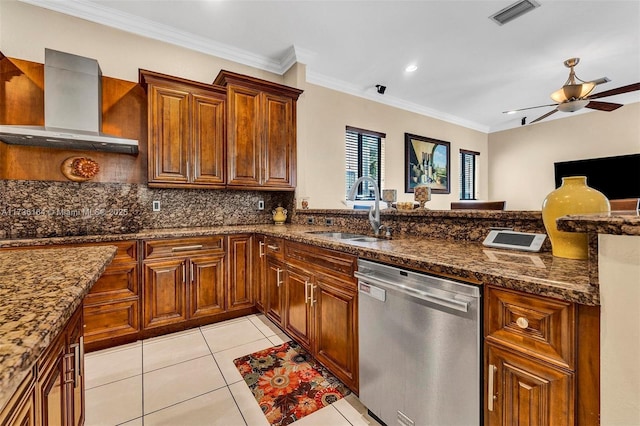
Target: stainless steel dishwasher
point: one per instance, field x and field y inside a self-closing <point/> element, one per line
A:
<point x="419" y="345"/>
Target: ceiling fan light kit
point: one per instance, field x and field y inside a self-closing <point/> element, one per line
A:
<point x="572" y="106"/>
<point x="573" y="91"/>
<point x="574" y="96"/>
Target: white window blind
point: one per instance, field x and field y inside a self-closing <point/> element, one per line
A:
<point x="468" y="174"/>
<point x="364" y="157"/>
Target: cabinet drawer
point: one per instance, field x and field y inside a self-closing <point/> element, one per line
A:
<point x="323" y="260"/>
<point x="534" y="325"/>
<point x="183" y="247"/>
<point x="275" y="248"/>
<point x="110" y="320"/>
<point x="119" y="281"/>
<point x="127" y="251"/>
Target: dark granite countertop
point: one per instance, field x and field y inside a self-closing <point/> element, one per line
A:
<point x="39" y="291"/>
<point x="536" y="273"/>
<point x="614" y="223"/>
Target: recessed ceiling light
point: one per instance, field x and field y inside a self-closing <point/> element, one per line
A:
<point x="510" y="112"/>
<point x="411" y="68"/>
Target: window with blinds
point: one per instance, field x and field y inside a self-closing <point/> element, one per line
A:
<point x="364" y="157"/>
<point x="468" y="174"/>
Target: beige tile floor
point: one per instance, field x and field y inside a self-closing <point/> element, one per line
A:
<point x="189" y="379"/>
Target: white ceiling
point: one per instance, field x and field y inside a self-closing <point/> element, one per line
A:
<point x="470" y="69"/>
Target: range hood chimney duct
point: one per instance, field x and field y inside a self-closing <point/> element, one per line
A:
<point x="72" y="109"/>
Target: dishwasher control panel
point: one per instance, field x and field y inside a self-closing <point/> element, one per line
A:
<point x="375" y="292"/>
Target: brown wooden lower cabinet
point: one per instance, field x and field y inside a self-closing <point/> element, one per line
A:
<point x="53" y="392"/>
<point x="319" y="306"/>
<point x="21" y="409"/>
<point x="526" y="392"/>
<point x="240" y="292"/>
<point x="184" y="279"/>
<point x="299" y="318"/>
<point x="541" y="360"/>
<point x="274" y="286"/>
<point x="112" y="308"/>
<point x="260" y="271"/>
<point x="336" y="329"/>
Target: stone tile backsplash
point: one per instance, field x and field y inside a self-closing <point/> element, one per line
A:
<point x="50" y="209"/>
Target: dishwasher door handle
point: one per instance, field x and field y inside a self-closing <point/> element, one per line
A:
<point x="458" y="305"/>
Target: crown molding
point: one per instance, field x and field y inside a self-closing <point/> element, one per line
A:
<point x="372" y="95"/>
<point x="147" y="28"/>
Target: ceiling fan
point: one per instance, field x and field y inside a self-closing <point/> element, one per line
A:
<point x="575" y="94"/>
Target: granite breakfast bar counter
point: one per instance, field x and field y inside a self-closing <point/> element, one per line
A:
<point x="535" y="273"/>
<point x="39" y="291"/>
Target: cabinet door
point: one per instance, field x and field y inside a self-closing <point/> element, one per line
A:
<point x="243" y="138"/>
<point x="240" y="285"/>
<point x="164" y="292"/>
<point x="297" y="318"/>
<point x="207" y="140"/>
<point x="278" y="142"/>
<point x="51" y="388"/>
<point x="275" y="289"/>
<point x="336" y="334"/>
<point x="169" y="130"/>
<point x="75" y="371"/>
<point x="20" y="410"/>
<point x="206" y="285"/>
<point x="526" y="392"/>
<point x="259" y="271"/>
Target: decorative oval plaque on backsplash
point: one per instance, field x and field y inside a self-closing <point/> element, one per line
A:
<point x="79" y="169"/>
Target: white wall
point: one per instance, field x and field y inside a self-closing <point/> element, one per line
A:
<point x="321" y="145"/>
<point x="26" y="30"/>
<point x="619" y="274"/>
<point x="521" y="160"/>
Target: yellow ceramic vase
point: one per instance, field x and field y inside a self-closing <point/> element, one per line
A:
<point x="279" y="215"/>
<point x="573" y="197"/>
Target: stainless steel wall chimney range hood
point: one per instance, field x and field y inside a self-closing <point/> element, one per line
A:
<point x="72" y="109"/>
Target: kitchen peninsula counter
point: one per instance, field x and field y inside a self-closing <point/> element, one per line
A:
<point x="39" y="291"/>
<point x="535" y="273"/>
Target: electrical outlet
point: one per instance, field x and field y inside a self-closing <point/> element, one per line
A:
<point x="310" y="221"/>
<point x="328" y="221"/>
<point x="156" y="206"/>
<point x="260" y="204"/>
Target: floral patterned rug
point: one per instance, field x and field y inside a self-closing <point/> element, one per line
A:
<point x="288" y="383"/>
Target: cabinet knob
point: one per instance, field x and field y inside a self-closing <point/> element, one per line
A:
<point x="522" y="323"/>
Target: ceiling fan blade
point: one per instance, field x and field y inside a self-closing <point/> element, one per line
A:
<point x="617" y="91"/>
<point x="601" y="80"/>
<point x="544" y="116"/>
<point x="603" y="106"/>
<point x="524" y="109"/>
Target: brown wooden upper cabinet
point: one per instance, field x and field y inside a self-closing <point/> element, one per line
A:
<point x="261" y="136"/>
<point x="186" y="122"/>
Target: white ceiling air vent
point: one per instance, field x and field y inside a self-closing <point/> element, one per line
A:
<point x="514" y="11"/>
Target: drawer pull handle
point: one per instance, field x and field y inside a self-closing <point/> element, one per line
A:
<point x="522" y="323"/>
<point x="186" y="248"/>
<point x="274" y="248"/>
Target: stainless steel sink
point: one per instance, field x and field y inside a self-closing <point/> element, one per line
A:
<point x="345" y="236"/>
<point x="364" y="239"/>
<point x="339" y="235"/>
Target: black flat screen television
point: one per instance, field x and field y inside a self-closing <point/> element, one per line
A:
<point x="616" y="177"/>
